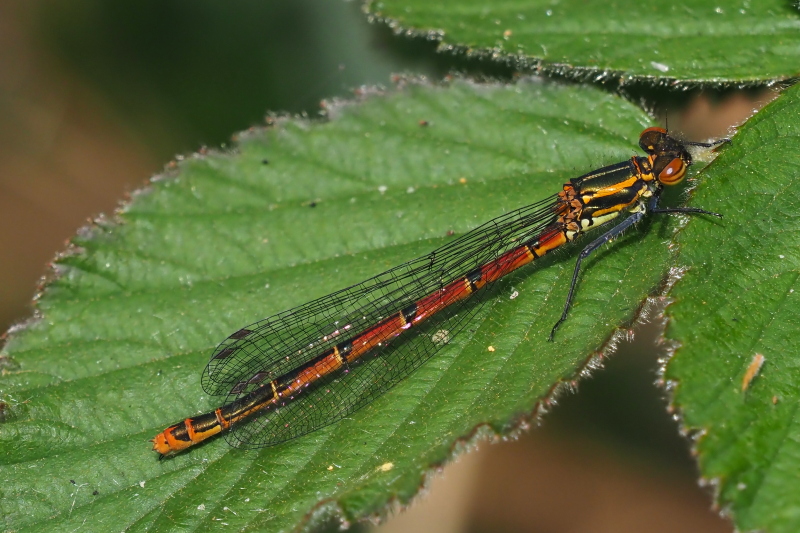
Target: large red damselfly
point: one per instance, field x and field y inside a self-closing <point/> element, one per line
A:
<point x="305" y="368"/>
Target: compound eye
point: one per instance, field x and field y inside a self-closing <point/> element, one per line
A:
<point x="673" y="173"/>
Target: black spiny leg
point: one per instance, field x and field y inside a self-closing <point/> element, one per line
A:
<point x="686" y="210"/>
<point x="653" y="207"/>
<point x="586" y="252"/>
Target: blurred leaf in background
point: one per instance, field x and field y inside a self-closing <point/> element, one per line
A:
<point x="98" y="96"/>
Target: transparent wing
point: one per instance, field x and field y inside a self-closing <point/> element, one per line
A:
<point x="272" y="347"/>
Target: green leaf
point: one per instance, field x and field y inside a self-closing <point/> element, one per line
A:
<point x="688" y="41"/>
<point x="302" y="209"/>
<point x="739" y="298"/>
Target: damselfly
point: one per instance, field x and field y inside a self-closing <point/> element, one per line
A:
<point x="305" y="368"/>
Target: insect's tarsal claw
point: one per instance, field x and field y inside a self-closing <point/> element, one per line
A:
<point x="713" y="214"/>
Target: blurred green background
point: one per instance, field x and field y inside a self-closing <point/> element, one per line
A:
<point x="98" y="96"/>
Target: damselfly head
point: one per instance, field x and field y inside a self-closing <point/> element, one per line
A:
<point x="656" y="142"/>
<point x="668" y="156"/>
